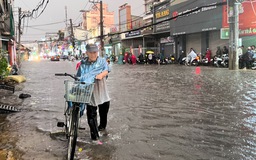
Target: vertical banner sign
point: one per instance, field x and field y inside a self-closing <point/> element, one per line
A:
<point x="247" y="18"/>
<point x="161" y="13"/>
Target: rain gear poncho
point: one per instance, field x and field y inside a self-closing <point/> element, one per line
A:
<point x="89" y="70"/>
<point x="87" y="73"/>
<point x="191" y="56"/>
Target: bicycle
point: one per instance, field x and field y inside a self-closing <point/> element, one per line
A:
<point x="79" y="93"/>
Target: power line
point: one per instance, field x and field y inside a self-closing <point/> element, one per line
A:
<point x="81" y="13"/>
<point x="46" y="24"/>
<point x="169" y="19"/>
<point x="35" y="11"/>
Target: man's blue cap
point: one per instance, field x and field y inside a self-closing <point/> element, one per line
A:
<point x="92" y="48"/>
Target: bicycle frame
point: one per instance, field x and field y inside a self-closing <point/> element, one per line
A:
<point x="76" y="93"/>
<point x="72" y="115"/>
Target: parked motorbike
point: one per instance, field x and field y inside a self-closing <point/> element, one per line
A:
<point x="71" y="58"/>
<point x="205" y="62"/>
<point x="141" y="61"/>
<point x="194" y="62"/>
<point x="14" y="70"/>
<point x="165" y="61"/>
<point x="254" y="65"/>
<point x="172" y="59"/>
<point x="221" y="61"/>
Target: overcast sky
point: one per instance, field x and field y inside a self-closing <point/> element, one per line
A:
<point x="53" y="17"/>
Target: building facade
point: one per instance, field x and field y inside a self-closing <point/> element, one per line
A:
<point x="91" y="20"/>
<point x="195" y="25"/>
<point x="199" y="24"/>
<point x="7" y="40"/>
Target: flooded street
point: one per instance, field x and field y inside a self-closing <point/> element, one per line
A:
<point x="169" y="112"/>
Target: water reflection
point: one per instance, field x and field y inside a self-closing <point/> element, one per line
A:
<point x="190" y="113"/>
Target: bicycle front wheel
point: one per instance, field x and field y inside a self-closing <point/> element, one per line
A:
<point x="72" y="138"/>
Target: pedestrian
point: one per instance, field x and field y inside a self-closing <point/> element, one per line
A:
<point x="150" y="58"/>
<point x="182" y="55"/>
<point x="240" y="55"/>
<point x="95" y="68"/>
<point x="133" y="59"/>
<point x="191" y="56"/>
<point x="219" y="52"/>
<point x="78" y="65"/>
<point x="141" y="59"/>
<point x="126" y="57"/>
<point x="253" y="51"/>
<point x="240" y="51"/>
<point x="225" y="50"/>
<point x="247" y="58"/>
<point x="208" y="55"/>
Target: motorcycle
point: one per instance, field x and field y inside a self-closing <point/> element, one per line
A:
<point x="14" y="70"/>
<point x="194" y="62"/>
<point x="221" y="61"/>
<point x="172" y="59"/>
<point x="165" y="61"/>
<point x="71" y="58"/>
<point x="254" y="66"/>
<point x="205" y="62"/>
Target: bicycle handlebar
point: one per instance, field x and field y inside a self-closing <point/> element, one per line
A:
<point x="60" y="74"/>
<point x="66" y="74"/>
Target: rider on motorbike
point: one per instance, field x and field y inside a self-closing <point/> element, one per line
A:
<point x="191" y="56"/>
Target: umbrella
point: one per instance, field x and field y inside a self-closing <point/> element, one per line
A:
<point x="150" y="52"/>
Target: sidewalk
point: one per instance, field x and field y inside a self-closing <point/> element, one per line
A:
<point x="7" y="97"/>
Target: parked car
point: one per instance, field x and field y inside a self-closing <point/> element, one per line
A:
<point x="64" y="57"/>
<point x="55" y="58"/>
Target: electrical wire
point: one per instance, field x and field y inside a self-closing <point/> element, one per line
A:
<point x="43" y="9"/>
<point x="35" y="11"/>
<point x="47" y="24"/>
<point x="169" y="19"/>
<point x="81" y="13"/>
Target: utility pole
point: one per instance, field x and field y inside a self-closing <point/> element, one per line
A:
<point x="19" y="33"/>
<point x="233" y="17"/>
<point x="101" y="30"/>
<point x="21" y="15"/>
<point x="72" y="34"/>
<point x="101" y="26"/>
<point x="66" y="16"/>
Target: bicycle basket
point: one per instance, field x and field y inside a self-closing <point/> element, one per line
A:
<point x="78" y="92"/>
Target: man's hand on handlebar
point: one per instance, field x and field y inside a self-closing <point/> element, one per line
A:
<point x="99" y="77"/>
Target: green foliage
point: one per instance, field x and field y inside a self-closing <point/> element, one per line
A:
<point x="3" y="64"/>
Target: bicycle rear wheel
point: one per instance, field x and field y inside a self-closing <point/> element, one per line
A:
<point x="72" y="138"/>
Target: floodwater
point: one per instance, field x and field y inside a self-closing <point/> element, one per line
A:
<point x="167" y="112"/>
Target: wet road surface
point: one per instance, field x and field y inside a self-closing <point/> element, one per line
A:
<point x="157" y="112"/>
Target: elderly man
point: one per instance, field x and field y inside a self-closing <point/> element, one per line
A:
<point x="94" y="68"/>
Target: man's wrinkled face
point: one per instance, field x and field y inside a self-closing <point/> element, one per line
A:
<point x="92" y="56"/>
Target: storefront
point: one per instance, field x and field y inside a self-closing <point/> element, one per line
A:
<point x="197" y="27"/>
<point x="165" y="43"/>
<point x="167" y="46"/>
<point x="115" y="42"/>
<point x="132" y="40"/>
